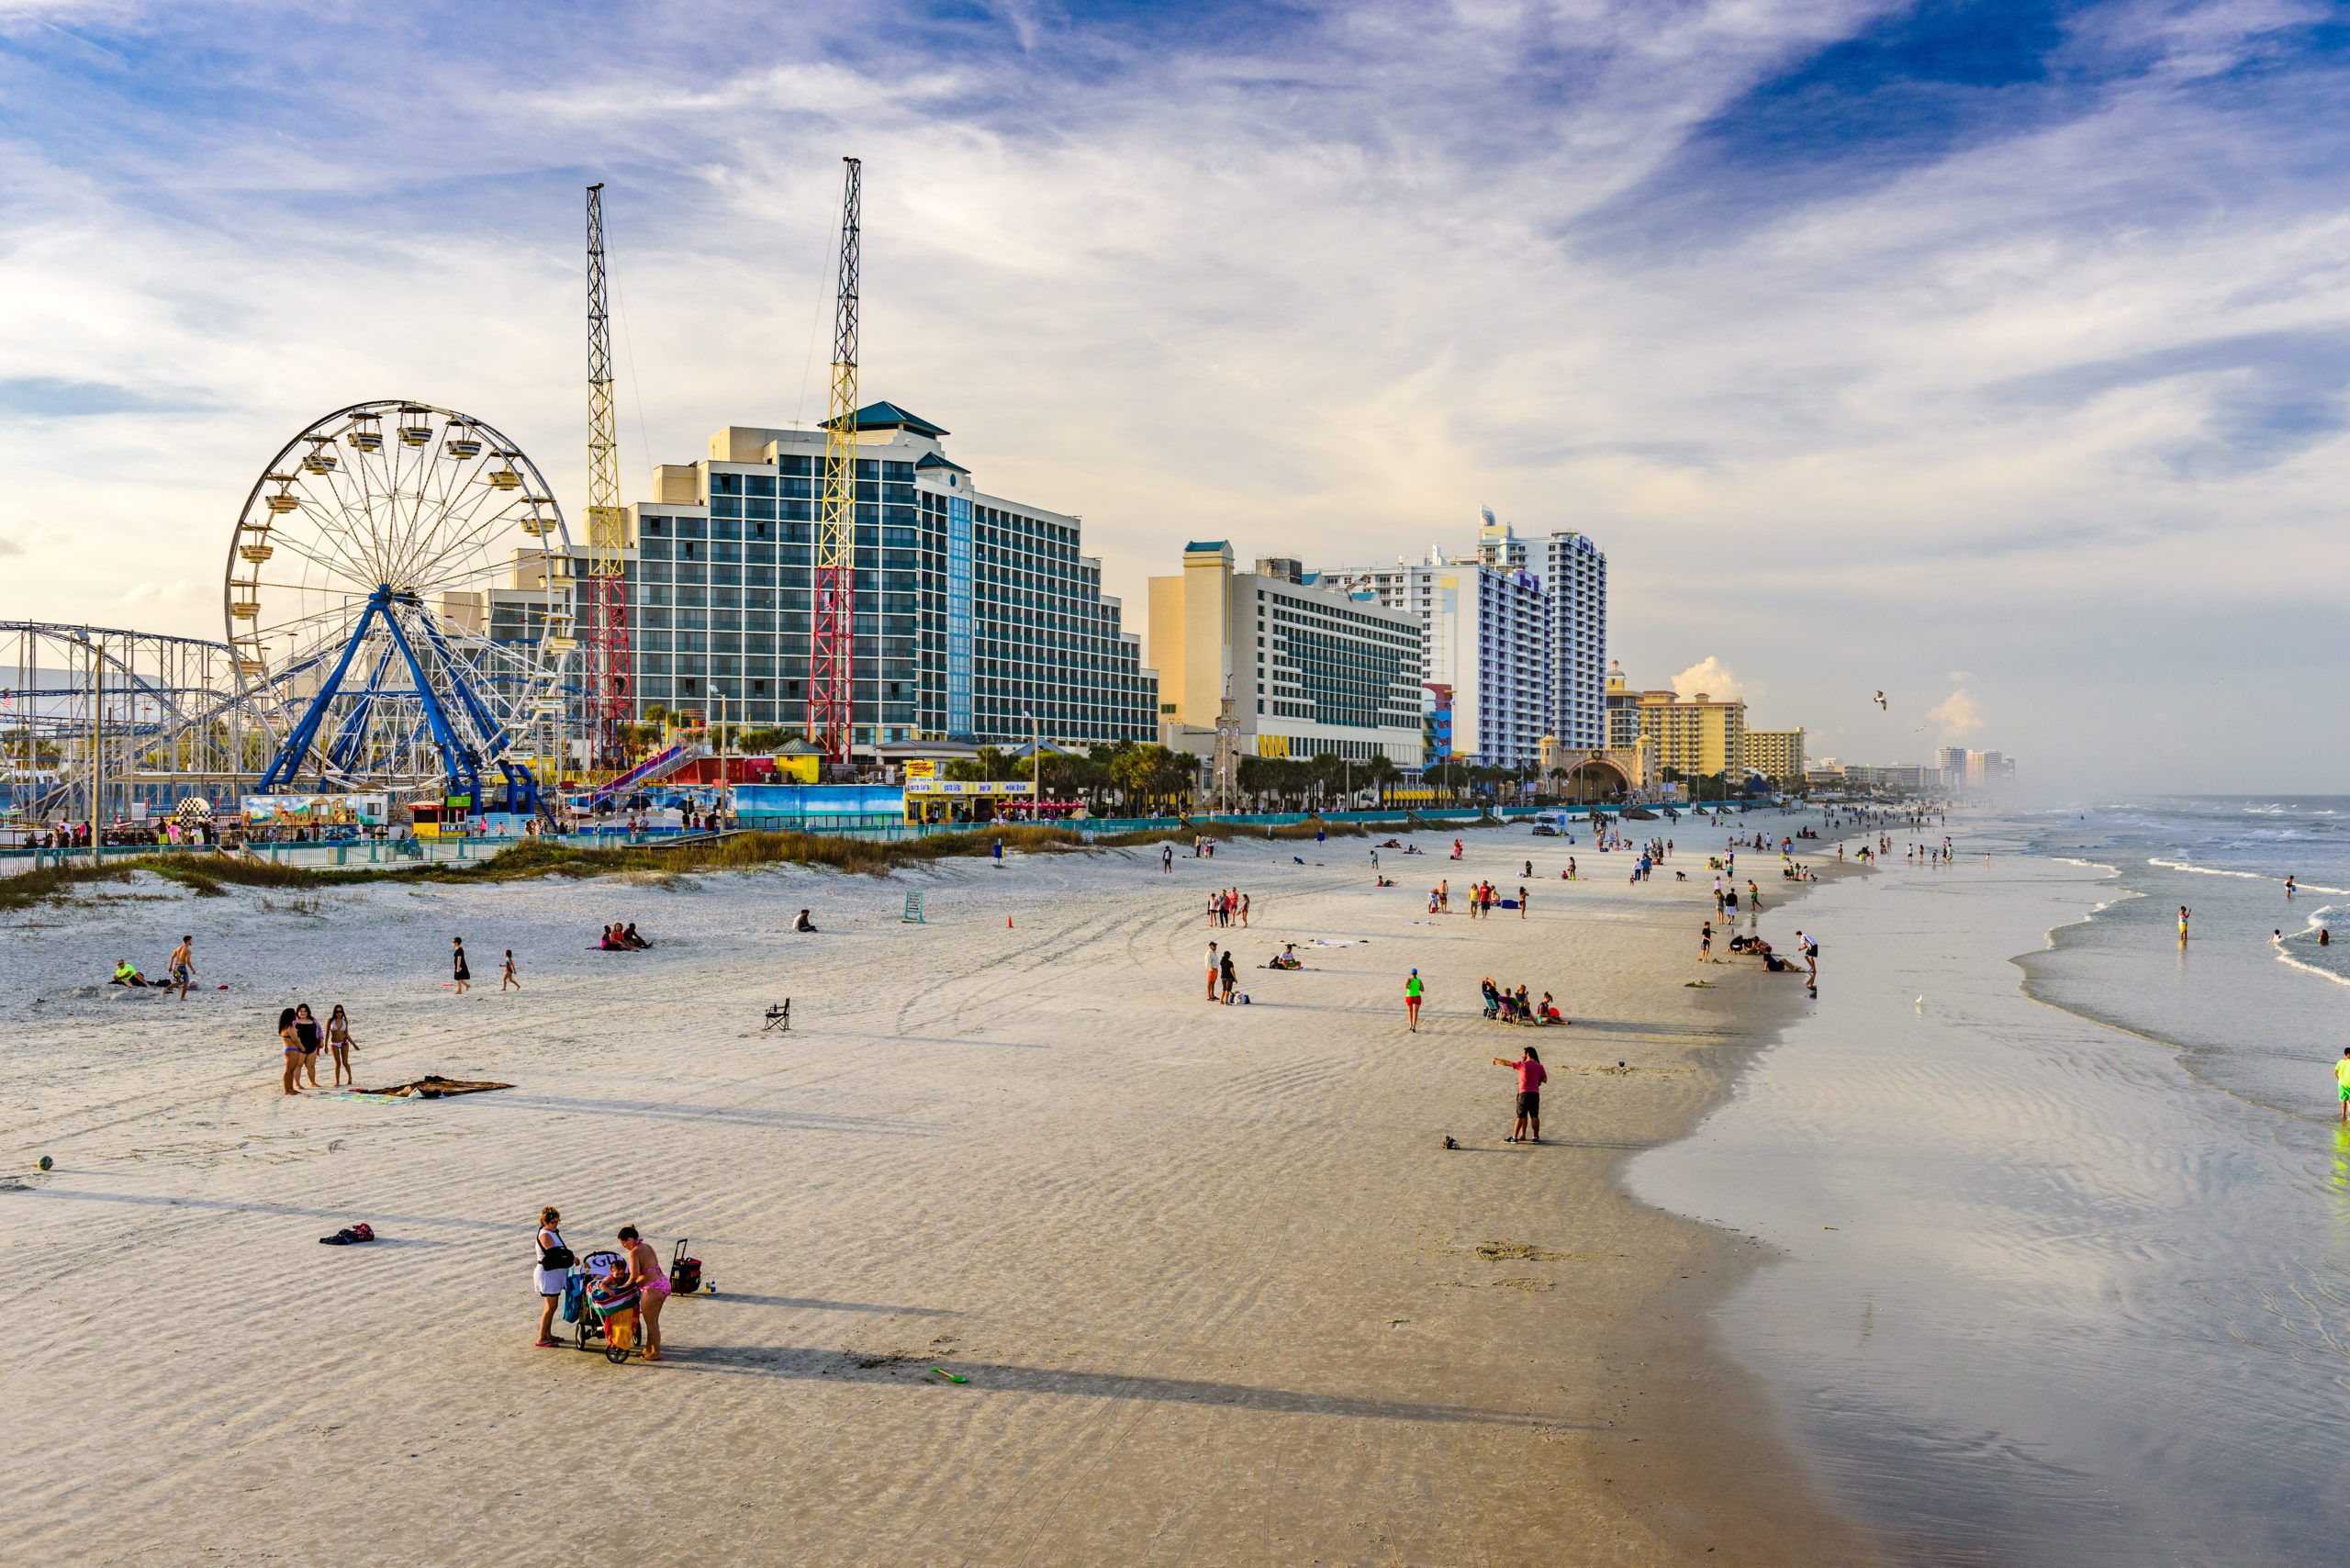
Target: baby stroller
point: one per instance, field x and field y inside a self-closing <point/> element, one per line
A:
<point x="599" y="1310"/>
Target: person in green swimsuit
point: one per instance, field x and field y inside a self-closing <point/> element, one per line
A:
<point x="2341" y="1081"/>
<point x="1414" y="991"/>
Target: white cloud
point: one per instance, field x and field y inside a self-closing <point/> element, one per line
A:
<point x="1710" y="676"/>
<point x="1956" y="715"/>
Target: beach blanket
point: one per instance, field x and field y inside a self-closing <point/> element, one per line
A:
<point x="433" y="1086"/>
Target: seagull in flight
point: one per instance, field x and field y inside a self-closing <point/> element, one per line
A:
<point x="1880" y="702"/>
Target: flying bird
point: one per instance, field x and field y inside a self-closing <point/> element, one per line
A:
<point x="1880" y="702"/>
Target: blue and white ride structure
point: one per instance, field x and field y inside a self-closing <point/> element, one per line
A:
<point x="398" y="597"/>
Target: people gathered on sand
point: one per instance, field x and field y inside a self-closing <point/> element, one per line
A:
<point x="302" y="1039"/>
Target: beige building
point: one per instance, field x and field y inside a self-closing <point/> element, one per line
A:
<point x="1311" y="670"/>
<point x="1696" y="737"/>
<point x="1777" y="755"/>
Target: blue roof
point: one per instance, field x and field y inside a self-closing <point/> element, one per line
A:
<point x="1206" y="544"/>
<point x="934" y="459"/>
<point x="889" y="416"/>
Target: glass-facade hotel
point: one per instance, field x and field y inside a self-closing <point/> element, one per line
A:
<point x="978" y="618"/>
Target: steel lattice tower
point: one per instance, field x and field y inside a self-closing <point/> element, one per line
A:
<point x="610" y="684"/>
<point x="831" y="644"/>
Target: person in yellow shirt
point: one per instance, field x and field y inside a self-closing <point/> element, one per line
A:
<point x="2341" y="1081"/>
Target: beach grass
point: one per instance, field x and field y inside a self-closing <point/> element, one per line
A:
<point x="212" y="875"/>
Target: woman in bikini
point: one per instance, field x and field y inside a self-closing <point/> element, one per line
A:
<point x="291" y="1040"/>
<point x="339" y="1042"/>
<point x="645" y="1275"/>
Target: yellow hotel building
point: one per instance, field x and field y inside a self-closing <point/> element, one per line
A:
<point x="1777" y="755"/>
<point x="1698" y="736"/>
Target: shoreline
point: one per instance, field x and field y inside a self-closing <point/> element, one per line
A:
<point x="1220" y="1245"/>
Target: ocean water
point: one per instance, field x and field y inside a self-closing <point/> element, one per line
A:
<point x="2065" y="1208"/>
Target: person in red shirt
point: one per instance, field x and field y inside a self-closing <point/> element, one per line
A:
<point x="1530" y="1074"/>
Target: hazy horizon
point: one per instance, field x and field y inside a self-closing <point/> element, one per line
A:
<point x="1988" y="354"/>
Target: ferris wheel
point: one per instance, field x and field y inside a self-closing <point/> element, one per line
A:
<point x="398" y="599"/>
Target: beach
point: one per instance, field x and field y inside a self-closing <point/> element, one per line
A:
<point x="1220" y="1293"/>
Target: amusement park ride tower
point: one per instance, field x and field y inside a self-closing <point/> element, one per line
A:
<point x="609" y="684"/>
<point x="832" y="643"/>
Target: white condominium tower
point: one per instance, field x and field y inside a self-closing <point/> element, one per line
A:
<point x="1508" y="653"/>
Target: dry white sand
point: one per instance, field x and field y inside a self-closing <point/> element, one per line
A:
<point x="1221" y="1295"/>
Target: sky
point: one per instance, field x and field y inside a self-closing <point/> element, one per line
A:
<point x="1991" y="355"/>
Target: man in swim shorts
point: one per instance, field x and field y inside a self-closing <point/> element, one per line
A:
<point x="182" y="967"/>
<point x="2341" y="1081"/>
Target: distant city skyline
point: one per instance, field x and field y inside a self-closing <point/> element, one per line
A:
<point x="1990" y="356"/>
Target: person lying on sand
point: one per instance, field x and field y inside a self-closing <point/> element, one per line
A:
<point x="127" y="973"/>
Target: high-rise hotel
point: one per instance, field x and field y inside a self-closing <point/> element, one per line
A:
<point x="1512" y="647"/>
<point x="978" y="618"/>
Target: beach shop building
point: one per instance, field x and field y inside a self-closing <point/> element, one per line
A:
<point x="1310" y="668"/>
<point x="979" y="618"/>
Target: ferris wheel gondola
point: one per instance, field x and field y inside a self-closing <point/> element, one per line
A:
<point x="398" y="599"/>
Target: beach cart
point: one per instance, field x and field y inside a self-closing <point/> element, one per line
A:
<point x="598" y="1311"/>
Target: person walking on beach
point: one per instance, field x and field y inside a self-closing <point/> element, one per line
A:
<point x="1521" y="900"/>
<point x="1527" y="1128"/>
<point x="552" y="1271"/>
<point x="1167" y="859"/>
<point x="464" y="971"/>
<point x="182" y="967"/>
<point x="1811" y="951"/>
<point x="1211" y="972"/>
<point x="1413" y="991"/>
<point x="2342" y="1081"/>
<point x="338" y="1044"/>
<point x="1705" y="944"/>
<point x="509" y="979"/>
<point x="1243" y="909"/>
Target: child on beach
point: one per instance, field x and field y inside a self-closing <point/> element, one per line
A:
<point x="1527" y="1128"/>
<point x="509" y="981"/>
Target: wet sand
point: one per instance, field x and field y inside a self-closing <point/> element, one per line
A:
<point x="1221" y="1295"/>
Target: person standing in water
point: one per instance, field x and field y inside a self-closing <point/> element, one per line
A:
<point x="2183" y="913"/>
<point x="2342" y="1081"/>
<point x="1413" y="991"/>
<point x="462" y="971"/>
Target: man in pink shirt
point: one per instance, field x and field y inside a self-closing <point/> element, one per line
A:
<point x="1530" y="1074"/>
